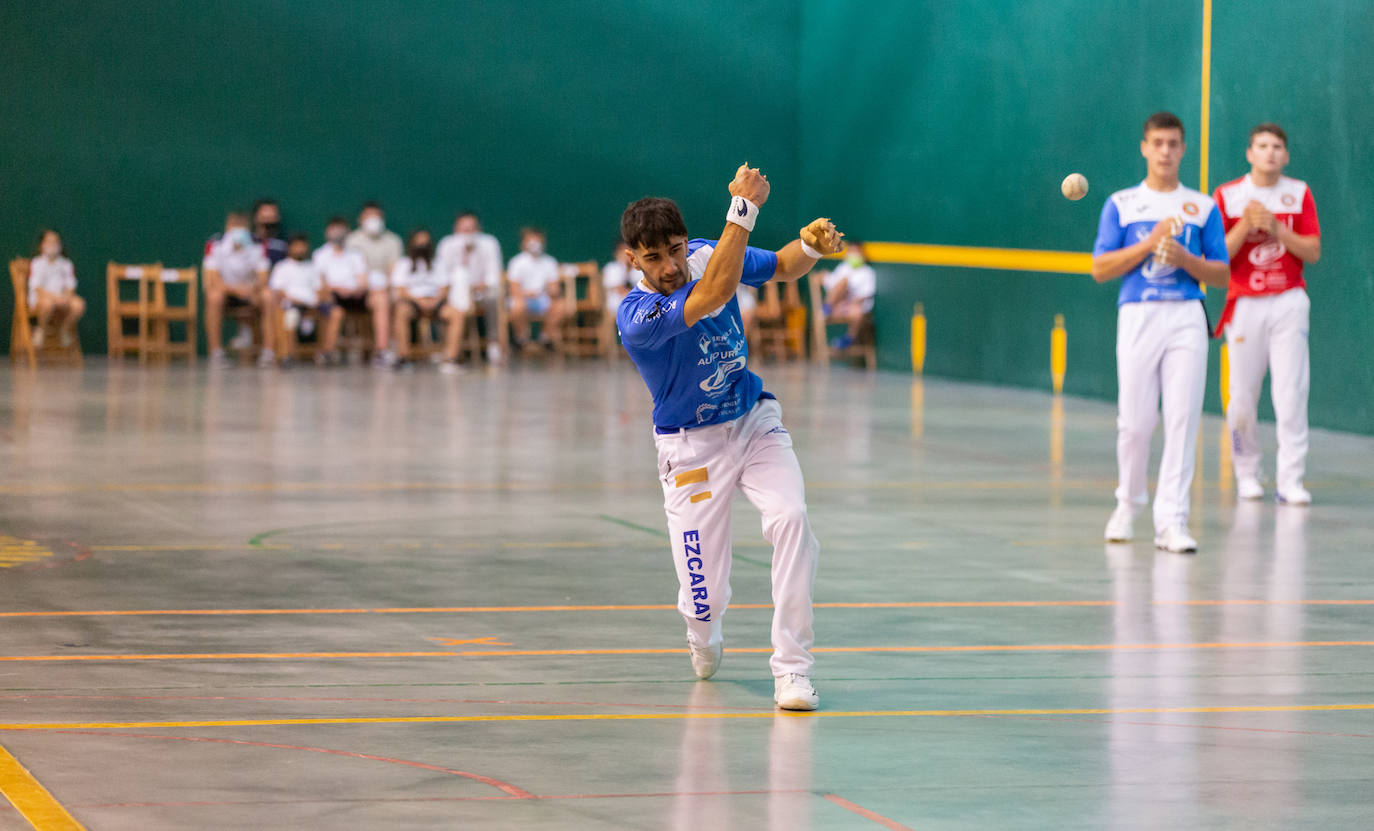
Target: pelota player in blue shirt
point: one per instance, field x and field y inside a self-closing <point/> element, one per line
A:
<point x="1160" y="238"/>
<point x="715" y="427"/>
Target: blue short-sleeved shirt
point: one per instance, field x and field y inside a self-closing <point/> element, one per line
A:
<point x="1130" y="215"/>
<point x="697" y="374"/>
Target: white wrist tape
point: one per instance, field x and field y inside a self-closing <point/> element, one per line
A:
<point x="742" y="212"/>
<point x="809" y="251"/>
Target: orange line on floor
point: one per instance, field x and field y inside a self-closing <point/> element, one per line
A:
<point x="527" y="653"/>
<point x="659" y="607"/>
<point x="891" y="825"/>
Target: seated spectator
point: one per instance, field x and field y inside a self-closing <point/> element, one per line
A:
<point x="535" y="290"/>
<point x="297" y="287"/>
<point x="235" y="274"/>
<point x="479" y="255"/>
<point x="380" y="248"/>
<point x="618" y="277"/>
<point x="267" y="229"/>
<point x="423" y="290"/>
<point x="52" y="291"/>
<point x="849" y="293"/>
<point x="353" y="289"/>
<point x="748" y="298"/>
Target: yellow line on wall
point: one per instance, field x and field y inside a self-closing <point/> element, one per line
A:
<point x="31" y="799"/>
<point x="1205" y="132"/>
<point x="1005" y="259"/>
<point x="770" y="714"/>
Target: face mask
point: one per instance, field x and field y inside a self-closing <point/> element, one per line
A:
<point x="336" y="236"/>
<point x="239" y="237"/>
<point x="422" y="252"/>
<point x="301" y="256"/>
<point x="52" y="251"/>
<point x="269" y="229"/>
<point x="535" y="247"/>
<point x="374" y="225"/>
<point x="854" y="261"/>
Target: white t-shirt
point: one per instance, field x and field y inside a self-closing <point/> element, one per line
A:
<point x="532" y="274"/>
<point x="236" y="266"/>
<point x="343" y="268"/>
<point x="53" y="276"/>
<point x="616" y="280"/>
<point x="479" y="254"/>
<point x="380" y="254"/>
<point x="863" y="281"/>
<point x="433" y="281"/>
<point x="299" y="281"/>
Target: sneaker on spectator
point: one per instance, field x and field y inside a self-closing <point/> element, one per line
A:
<point x="793" y="691"/>
<point x="38" y="335"/>
<point x="385" y="359"/>
<point x="66" y="338"/>
<point x="494" y="352"/>
<point x="218" y="358"/>
<point x="842" y="342"/>
<point x="267" y="358"/>
<point x="243" y="338"/>
<point x="451" y="368"/>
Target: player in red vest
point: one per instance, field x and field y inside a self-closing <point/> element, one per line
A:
<point x="1271" y="231"/>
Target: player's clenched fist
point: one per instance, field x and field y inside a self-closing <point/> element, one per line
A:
<point x="751" y="184"/>
<point x="822" y="235"/>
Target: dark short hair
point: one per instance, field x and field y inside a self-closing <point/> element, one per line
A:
<point x="298" y="236"/>
<point x="533" y="230"/>
<point x="1163" y="121"/>
<point x="371" y="203"/>
<point x="336" y="220"/>
<point x="651" y="222"/>
<point x="472" y="214"/>
<point x="266" y="200"/>
<point x="1271" y="128"/>
<point x="236" y="217"/>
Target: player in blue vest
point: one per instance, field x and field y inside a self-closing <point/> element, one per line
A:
<point x="1160" y="238"/>
<point x="716" y="429"/>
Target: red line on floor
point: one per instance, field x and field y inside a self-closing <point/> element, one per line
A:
<point x="892" y="825"/>
<point x="505" y="787"/>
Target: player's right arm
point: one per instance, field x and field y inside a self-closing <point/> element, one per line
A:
<point x="718" y="284"/>
<point x="1110" y="258"/>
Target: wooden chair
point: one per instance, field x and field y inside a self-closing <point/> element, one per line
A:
<point x="23" y="320"/>
<point x="120" y="309"/>
<point x="588" y="330"/>
<point x="163" y="313"/>
<point x="776" y="319"/>
<point x="291" y="348"/>
<point x="864" y="346"/>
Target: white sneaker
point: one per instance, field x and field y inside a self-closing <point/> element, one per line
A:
<point x="218" y="358"/>
<point x="1294" y="495"/>
<point x="243" y="338"/>
<point x="1175" y="539"/>
<point x="267" y="358"/>
<point x="794" y="692"/>
<point x="1249" y="489"/>
<point x="1119" y="526"/>
<point x="66" y="338"/>
<point x="451" y="368"/>
<point x="38" y="335"/>
<point x="494" y="353"/>
<point x="705" y="659"/>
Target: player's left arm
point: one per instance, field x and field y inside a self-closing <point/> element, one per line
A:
<point x="1304" y="240"/>
<point x="794" y="260"/>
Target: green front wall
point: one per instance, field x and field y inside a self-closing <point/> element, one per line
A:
<point x="133" y="127"/>
<point x="954" y="122"/>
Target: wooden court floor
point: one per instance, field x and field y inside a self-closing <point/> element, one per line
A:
<point x="350" y="599"/>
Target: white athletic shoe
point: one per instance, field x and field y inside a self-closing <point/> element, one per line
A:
<point x="267" y="358"/>
<point x="218" y="358"/>
<point x="65" y="337"/>
<point x="243" y="338"/>
<point x="1249" y="489"/>
<point x="1119" y="526"/>
<point x="451" y="368"/>
<point x="38" y="335"/>
<point x="794" y="692"/>
<point x="1175" y="539"/>
<point x="1294" y="495"/>
<point x="705" y="659"/>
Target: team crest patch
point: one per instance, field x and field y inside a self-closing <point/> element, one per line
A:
<point x="1190" y="208"/>
<point x="1289" y="200"/>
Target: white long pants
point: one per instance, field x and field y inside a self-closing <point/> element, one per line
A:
<point x="1269" y="332"/>
<point x="700" y="470"/>
<point x="1161" y="354"/>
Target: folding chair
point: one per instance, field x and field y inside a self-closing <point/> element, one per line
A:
<point x="585" y="329"/>
<point x="863" y="347"/>
<point x="164" y="312"/>
<point x="120" y="309"/>
<point x="24" y="320"/>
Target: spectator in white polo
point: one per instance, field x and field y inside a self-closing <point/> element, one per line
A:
<point x="52" y="290"/>
<point x="423" y="289"/>
<point x="380" y="248"/>
<point x="347" y="278"/>
<point x="618" y="276"/>
<point x="535" y="290"/>
<point x="479" y="255"/>
<point x="235" y="271"/>
<point x="297" y="287"/>
<point x="849" y="293"/>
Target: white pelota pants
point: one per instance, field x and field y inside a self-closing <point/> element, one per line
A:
<point x="700" y="470"/>
<point x="1161" y="356"/>
<point x="1269" y="332"/>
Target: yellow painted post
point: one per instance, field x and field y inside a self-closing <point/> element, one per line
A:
<point x="918" y="338"/>
<point x="1225" y="378"/>
<point x="1059" y="354"/>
